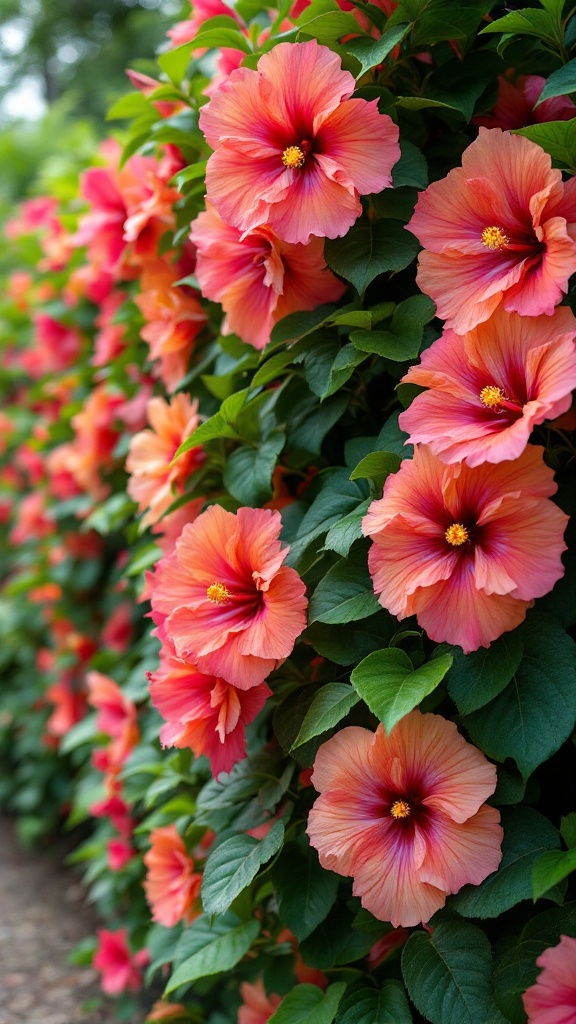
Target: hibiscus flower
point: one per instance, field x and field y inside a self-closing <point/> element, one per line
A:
<point x="490" y="387"/>
<point x="501" y="229"/>
<point x="466" y="550"/>
<point x="292" y="150"/>
<point x="404" y="814"/>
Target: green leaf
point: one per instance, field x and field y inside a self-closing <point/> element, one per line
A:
<point x="551" y="869"/>
<point x="370" y="249"/>
<point x="475" y="679"/>
<point x="330" y="705"/>
<point x="298" y="325"/>
<point x="391" y="687"/>
<point x="328" y="365"/>
<point x="356" y="318"/>
<point x="348" y="647"/>
<point x="527" y="22"/>
<point x="84" y="731"/>
<point x="308" y="1004"/>
<point x="305" y="891"/>
<point x="404" y="338"/>
<point x="411" y="169"/>
<point x="558" y="138"/>
<point x="338" y="497"/>
<point x="568" y="830"/>
<point x="342" y="535"/>
<point x="367" y="1005"/>
<point x="370" y="53"/>
<point x="132" y="105"/>
<point x="218" y="947"/>
<point x="376" y="466"/>
<point x="447" y="974"/>
<point x="175" y="62"/>
<point x="227" y="422"/>
<point x="247" y="474"/>
<point x="560" y="83"/>
<point x="527" y="833"/>
<point x="336" y="942"/>
<point x="231" y="867"/>
<point x="190" y="173"/>
<point x="345" y="593"/>
<point x="536" y="712"/>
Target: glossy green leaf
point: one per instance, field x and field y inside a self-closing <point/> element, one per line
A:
<point x="475" y="679"/>
<point x="560" y="83"/>
<point x="372" y="52"/>
<point x="308" y="1004"/>
<point x="376" y="466"/>
<point x="550" y="869"/>
<point x="558" y="138"/>
<point x="447" y="974"/>
<point x="536" y="712"/>
<point x="232" y="866"/>
<point x="390" y="685"/>
<point x="370" y="249"/>
<point x="330" y="705"/>
<point x="305" y="891"/>
<point x="247" y="474"/>
<point x="367" y="1005"/>
<point x="345" y="593"/>
<point x="219" y="946"/>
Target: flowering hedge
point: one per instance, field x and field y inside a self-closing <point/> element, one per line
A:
<point x="288" y="466"/>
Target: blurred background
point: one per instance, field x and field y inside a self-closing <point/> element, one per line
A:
<point x="62" y="63"/>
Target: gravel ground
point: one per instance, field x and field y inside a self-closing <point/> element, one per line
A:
<point x="42" y="918"/>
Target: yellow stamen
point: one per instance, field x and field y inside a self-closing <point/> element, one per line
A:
<point x="218" y="593"/>
<point x="293" y="157"/>
<point x="494" y="238"/>
<point x="492" y="396"/>
<point x="400" y="809"/>
<point x="456" y="534"/>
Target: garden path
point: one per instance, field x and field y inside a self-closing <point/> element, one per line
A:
<point x="42" y="918"/>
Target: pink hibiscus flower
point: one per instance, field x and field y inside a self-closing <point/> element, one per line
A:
<point x="292" y="150"/>
<point x="501" y="229"/>
<point x="489" y="388"/>
<point x="515" y="106"/>
<point x="202" y="712"/>
<point x="257" y="278"/>
<point x="404" y="814"/>
<point x="552" y="999"/>
<point x="224" y="599"/>
<point x="172" y="886"/>
<point x="121" y="970"/>
<point x="466" y="550"/>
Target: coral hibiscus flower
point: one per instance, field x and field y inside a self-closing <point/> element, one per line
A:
<point x="489" y="388"/>
<point x="292" y="150"/>
<point x="154" y="482"/>
<point x="257" y="1007"/>
<point x="203" y="712"/>
<point x="173" y="318"/>
<point x="501" y="229"/>
<point x="552" y="999"/>
<point x="466" y="550"/>
<point x="257" y="278"/>
<point x="224" y="599"/>
<point x="404" y="814"/>
<point x="172" y="886"/>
